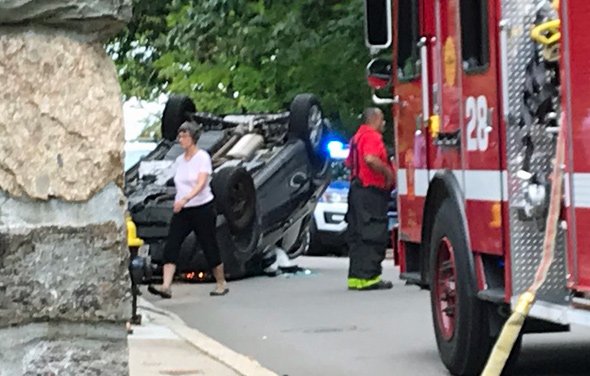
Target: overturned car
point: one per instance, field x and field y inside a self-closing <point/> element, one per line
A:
<point x="269" y="170"/>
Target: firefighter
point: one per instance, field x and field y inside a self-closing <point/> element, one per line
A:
<point x="372" y="179"/>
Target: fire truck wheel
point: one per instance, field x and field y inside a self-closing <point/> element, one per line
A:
<point x="176" y="112"/>
<point x="459" y="317"/>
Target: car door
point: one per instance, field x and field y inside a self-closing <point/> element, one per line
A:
<point x="481" y="118"/>
<point x="283" y="185"/>
<point x="411" y="141"/>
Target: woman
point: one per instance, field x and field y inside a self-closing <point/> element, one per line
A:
<point x="194" y="210"/>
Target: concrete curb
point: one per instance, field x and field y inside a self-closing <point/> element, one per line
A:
<point x="239" y="363"/>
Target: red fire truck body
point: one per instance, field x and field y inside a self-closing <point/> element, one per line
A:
<point x="478" y="90"/>
<point x="576" y="99"/>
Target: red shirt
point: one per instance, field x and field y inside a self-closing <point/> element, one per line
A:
<point x="367" y="141"/>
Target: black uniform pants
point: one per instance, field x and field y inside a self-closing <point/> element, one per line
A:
<point x="201" y="220"/>
<point x="367" y="233"/>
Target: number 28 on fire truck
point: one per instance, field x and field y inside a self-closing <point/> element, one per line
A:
<point x="491" y="106"/>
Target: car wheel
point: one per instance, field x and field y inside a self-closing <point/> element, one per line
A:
<point x="315" y="247"/>
<point x="239" y="250"/>
<point x="306" y="123"/>
<point x="177" y="111"/>
<point x="301" y="246"/>
<point x="459" y="317"/>
<point x="235" y="195"/>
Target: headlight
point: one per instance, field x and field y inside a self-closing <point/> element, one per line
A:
<point x="333" y="198"/>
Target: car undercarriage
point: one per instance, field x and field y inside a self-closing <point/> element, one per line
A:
<point x="269" y="170"/>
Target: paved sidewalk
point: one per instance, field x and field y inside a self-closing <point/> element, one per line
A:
<point x="164" y="345"/>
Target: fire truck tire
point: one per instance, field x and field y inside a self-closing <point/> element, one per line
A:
<point x="459" y="318"/>
<point x="176" y="112"/>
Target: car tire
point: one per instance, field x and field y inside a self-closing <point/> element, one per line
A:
<point x="301" y="246"/>
<point x="459" y="318"/>
<point x="315" y="247"/>
<point x="307" y="124"/>
<point x="238" y="250"/>
<point x="177" y="111"/>
<point x="235" y="197"/>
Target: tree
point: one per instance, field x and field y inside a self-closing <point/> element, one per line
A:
<point x="247" y="55"/>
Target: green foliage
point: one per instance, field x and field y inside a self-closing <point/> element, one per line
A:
<point x="247" y="55"/>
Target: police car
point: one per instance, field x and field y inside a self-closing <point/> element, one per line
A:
<point x="328" y="226"/>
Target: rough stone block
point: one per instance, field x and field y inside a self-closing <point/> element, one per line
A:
<point x="64" y="349"/>
<point x="108" y="205"/>
<point x="73" y="274"/>
<point x="101" y="17"/>
<point x="61" y="121"/>
<point x="64" y="260"/>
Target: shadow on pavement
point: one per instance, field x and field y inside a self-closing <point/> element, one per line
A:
<point x="554" y="359"/>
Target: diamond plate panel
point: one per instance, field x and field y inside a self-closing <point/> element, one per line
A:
<point x="526" y="239"/>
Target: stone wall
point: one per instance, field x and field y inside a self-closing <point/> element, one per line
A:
<point x="99" y="18"/>
<point x="51" y="349"/>
<point x="64" y="288"/>
<point x="60" y="116"/>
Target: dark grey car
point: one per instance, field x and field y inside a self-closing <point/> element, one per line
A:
<point x="269" y="170"/>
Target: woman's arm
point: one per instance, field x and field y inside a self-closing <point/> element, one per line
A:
<point x="202" y="180"/>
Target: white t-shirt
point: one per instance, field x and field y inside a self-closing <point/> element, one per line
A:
<point x="186" y="176"/>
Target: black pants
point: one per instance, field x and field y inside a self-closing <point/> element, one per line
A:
<point x="201" y="220"/>
<point x="367" y="232"/>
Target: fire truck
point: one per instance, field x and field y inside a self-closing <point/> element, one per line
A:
<point x="480" y="91"/>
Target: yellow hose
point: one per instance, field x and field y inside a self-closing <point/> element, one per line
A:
<point x="513" y="325"/>
<point x="509" y="335"/>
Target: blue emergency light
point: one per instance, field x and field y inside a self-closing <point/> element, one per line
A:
<point x="337" y="150"/>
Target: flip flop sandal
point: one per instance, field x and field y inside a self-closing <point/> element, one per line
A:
<point x="219" y="293"/>
<point x="164" y="294"/>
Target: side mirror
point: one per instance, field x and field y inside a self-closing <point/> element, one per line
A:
<point x="379" y="74"/>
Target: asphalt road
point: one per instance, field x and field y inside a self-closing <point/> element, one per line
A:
<point x="307" y="325"/>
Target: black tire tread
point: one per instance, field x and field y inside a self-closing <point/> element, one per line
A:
<point x="299" y="126"/>
<point x="175" y="113"/>
<point x="220" y="185"/>
<point x="465" y="354"/>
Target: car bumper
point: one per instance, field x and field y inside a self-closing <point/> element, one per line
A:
<point x="329" y="217"/>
